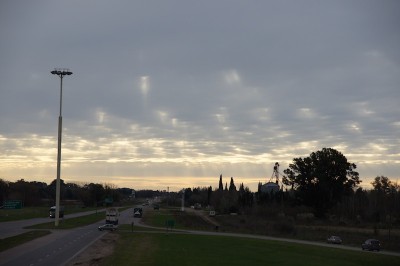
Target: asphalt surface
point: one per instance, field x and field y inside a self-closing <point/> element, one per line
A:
<point x="13" y="228"/>
<point x="54" y="249"/>
<point x="57" y="248"/>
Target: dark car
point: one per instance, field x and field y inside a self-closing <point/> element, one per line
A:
<point x="334" y="240"/>
<point x="371" y="245"/>
<point x="110" y="227"/>
<point x="137" y="212"/>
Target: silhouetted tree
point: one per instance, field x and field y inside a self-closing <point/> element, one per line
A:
<point x="209" y="195"/>
<point x="322" y="179"/>
<point x="383" y="198"/>
<point x="232" y="186"/>
<point x="72" y="191"/>
<point x="52" y="189"/>
<point x="4" y="190"/>
<point x="25" y="191"/>
<point x="382" y="184"/>
<point x="245" y="198"/>
<point x="220" y="185"/>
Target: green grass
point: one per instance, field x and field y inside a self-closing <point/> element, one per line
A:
<point x="72" y="222"/>
<point x="351" y="236"/>
<point x="181" y="249"/>
<point x="13" y="241"/>
<point x="157" y="217"/>
<point x="128" y="227"/>
<point x="182" y="220"/>
<point x="23" y="213"/>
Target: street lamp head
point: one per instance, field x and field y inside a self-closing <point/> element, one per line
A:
<point x="61" y="72"/>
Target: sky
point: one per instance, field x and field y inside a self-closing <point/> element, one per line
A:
<point x="170" y="94"/>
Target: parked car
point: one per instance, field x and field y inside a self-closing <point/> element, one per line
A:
<point x="110" y="227"/>
<point x="371" y="245"/>
<point x="334" y="240"/>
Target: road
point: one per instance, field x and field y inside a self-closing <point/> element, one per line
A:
<point x="57" y="248"/>
<point x="13" y="228"/>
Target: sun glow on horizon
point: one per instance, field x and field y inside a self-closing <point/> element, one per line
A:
<point x="157" y="163"/>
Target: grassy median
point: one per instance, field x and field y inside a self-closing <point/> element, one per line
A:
<point x="71" y="222"/>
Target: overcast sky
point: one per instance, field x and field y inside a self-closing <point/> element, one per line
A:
<point x="175" y="93"/>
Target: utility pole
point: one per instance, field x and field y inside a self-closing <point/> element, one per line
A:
<point x="61" y="72"/>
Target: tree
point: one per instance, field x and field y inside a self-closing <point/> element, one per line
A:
<point x="209" y="195"/>
<point x="4" y="190"/>
<point x="245" y="198"/>
<point x="232" y="186"/>
<point x="220" y="186"/>
<point x="382" y="184"/>
<point x="322" y="179"/>
<point x="51" y="189"/>
<point x="383" y="196"/>
<point x="28" y="192"/>
<point x="72" y="191"/>
<point x="92" y="194"/>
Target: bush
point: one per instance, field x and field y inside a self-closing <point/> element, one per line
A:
<point x="285" y="226"/>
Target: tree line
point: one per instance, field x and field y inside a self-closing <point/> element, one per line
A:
<point x="324" y="184"/>
<point x="39" y="193"/>
<point x="380" y="204"/>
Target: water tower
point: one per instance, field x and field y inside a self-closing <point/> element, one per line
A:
<point x="272" y="187"/>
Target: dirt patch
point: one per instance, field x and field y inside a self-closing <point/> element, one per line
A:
<point x="96" y="252"/>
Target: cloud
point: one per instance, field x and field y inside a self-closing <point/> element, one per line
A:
<point x="176" y="91"/>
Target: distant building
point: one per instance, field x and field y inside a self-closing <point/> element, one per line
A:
<point x="272" y="187"/>
<point x="133" y="194"/>
<point x="269" y="187"/>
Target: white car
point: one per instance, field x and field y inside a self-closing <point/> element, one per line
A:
<point x="334" y="240"/>
<point x="110" y="227"/>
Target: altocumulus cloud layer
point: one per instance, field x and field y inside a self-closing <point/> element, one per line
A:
<point x="174" y="93"/>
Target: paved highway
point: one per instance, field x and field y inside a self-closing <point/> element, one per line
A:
<point x="13" y="228"/>
<point x="57" y="248"/>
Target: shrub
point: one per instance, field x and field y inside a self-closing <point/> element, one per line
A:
<point x="285" y="226"/>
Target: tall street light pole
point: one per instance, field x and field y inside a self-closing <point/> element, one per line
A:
<point x="61" y="72"/>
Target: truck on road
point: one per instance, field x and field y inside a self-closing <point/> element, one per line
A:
<point x="52" y="212"/>
<point x="112" y="215"/>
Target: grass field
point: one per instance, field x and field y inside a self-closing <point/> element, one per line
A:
<point x="181" y="249"/>
<point x="24" y="213"/>
<point x="155" y="248"/>
<point x="182" y="220"/>
<point x="351" y="236"/>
